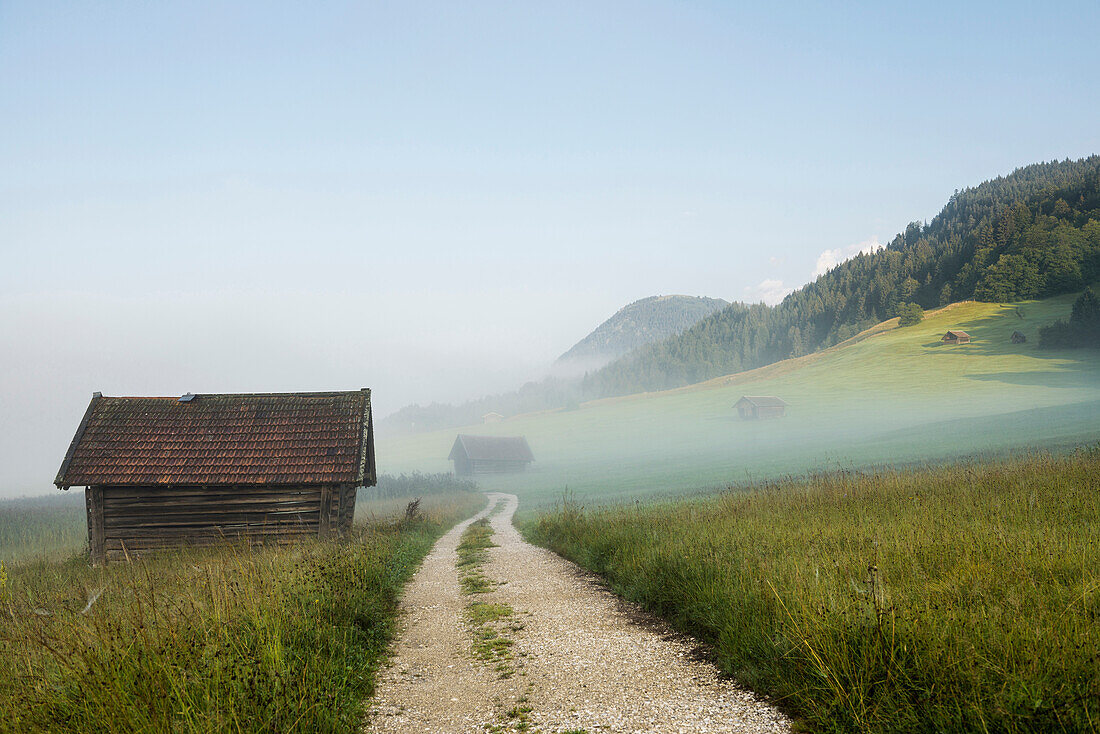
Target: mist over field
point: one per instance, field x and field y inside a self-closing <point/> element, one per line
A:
<point x="509" y="354"/>
<point x="891" y="397"/>
<point x="290" y="199"/>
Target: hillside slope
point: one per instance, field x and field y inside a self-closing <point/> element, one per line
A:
<point x="641" y="322"/>
<point x="1032" y="234"/>
<point x="892" y="395"/>
<point x="637" y="324"/>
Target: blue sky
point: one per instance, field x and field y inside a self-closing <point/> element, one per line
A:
<point x="436" y="199"/>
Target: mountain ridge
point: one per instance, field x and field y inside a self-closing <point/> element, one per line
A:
<point x="636" y="324"/>
<point x="640" y="322"/>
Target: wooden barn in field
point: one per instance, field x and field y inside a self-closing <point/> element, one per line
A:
<point x="200" y="469"/>
<point x="955" y="337"/>
<point x="752" y="407"/>
<point x="490" y="454"/>
<point x="1018" y="337"/>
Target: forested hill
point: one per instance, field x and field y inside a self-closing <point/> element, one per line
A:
<point x="642" y="322"/>
<point x="1031" y="234"/>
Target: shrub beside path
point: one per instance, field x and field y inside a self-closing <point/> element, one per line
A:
<point x="581" y="659"/>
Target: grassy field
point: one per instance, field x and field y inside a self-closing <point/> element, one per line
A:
<point x="965" y="598"/>
<point x="283" y="639"/>
<point x="53" y="527"/>
<point x="889" y="397"/>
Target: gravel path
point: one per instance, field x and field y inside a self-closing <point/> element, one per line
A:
<point x="584" y="660"/>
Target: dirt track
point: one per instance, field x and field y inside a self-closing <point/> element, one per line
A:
<point x="581" y="659"/>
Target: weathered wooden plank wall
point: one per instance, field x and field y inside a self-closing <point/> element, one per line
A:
<point x="147" y="518"/>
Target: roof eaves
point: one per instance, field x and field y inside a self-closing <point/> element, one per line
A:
<point x="59" y="480"/>
<point x="454" y="448"/>
<point x="366" y="445"/>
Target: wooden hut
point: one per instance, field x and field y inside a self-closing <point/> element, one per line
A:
<point x="752" y="407"/>
<point x="196" y="470"/>
<point x="1018" y="337"/>
<point x="955" y="337"/>
<point x="490" y="454"/>
<point x="492" y="417"/>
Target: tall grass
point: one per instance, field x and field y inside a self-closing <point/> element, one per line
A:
<point x="53" y="526"/>
<point x="965" y="598"/>
<point x="284" y="639"/>
<point x="416" y="483"/>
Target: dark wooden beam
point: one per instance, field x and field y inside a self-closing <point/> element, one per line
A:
<point x="93" y="498"/>
<point x="324" y="524"/>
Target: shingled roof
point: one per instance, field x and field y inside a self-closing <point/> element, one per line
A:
<point x="246" y="439"/>
<point x="763" y="401"/>
<point x="492" y="448"/>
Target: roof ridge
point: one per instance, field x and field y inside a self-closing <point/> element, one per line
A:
<point x="302" y="394"/>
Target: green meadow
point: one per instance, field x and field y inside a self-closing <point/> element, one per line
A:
<point x="52" y="527"/>
<point x="955" y="598"/>
<point x="890" y="396"/>
<point x="228" y="639"/>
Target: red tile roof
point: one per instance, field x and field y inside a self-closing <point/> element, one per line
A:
<point x="277" y="438"/>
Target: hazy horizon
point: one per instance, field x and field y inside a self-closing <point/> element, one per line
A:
<point x="436" y="201"/>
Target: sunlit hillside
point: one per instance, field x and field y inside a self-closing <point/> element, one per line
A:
<point x="889" y="396"/>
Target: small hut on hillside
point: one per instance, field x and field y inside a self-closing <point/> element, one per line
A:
<point x="492" y="417"/>
<point x="490" y="454"/>
<point x="752" y="407"/>
<point x="955" y="337"/>
<point x="199" y="469"/>
<point x="1018" y="337"/>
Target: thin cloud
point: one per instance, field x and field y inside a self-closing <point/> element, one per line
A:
<point x="769" y="290"/>
<point x="829" y="259"/>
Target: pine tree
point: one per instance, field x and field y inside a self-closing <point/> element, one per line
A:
<point x="910" y="314"/>
<point x="1086" y="310"/>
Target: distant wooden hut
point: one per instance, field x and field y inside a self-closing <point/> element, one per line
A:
<point x="753" y="407"/>
<point x="1018" y="337"/>
<point x="492" y="417"/>
<point x="955" y="337"/>
<point x="490" y="454"/>
<point x="195" y="470"/>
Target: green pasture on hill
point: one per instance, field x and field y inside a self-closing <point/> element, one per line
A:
<point x="890" y="396"/>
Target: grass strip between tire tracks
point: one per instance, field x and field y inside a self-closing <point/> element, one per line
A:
<point x="491" y="623"/>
